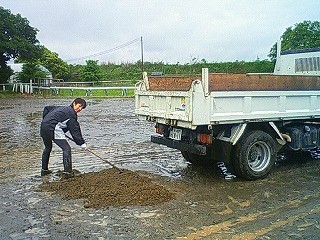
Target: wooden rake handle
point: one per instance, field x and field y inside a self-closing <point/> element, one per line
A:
<point x="103" y="159"/>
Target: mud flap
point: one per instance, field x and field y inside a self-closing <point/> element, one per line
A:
<point x="222" y="152"/>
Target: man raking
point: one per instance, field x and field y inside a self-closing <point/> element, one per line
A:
<point x="55" y="123"/>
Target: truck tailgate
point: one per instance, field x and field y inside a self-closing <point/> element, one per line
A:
<point x="164" y="104"/>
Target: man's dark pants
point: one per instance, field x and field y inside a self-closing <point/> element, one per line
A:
<point x="64" y="145"/>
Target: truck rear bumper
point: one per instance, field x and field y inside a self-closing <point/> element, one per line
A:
<point x="194" y="148"/>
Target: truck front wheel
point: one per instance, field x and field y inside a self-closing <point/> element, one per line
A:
<point x="255" y="155"/>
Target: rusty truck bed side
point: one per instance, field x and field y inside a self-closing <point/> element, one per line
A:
<point x="238" y="82"/>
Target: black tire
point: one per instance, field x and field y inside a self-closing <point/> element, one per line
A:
<point x="185" y="155"/>
<point x="255" y="155"/>
<point x="195" y="158"/>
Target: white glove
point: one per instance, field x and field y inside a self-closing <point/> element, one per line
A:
<point x="84" y="146"/>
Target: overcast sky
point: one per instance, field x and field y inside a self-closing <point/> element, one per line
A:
<point x="172" y="30"/>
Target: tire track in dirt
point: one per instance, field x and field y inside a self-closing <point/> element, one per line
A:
<point x="277" y="218"/>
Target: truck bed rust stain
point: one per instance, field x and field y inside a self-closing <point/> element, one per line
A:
<point x="171" y="83"/>
<point x="262" y="82"/>
<point x="239" y="82"/>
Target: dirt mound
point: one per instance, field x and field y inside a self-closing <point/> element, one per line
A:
<point x="110" y="188"/>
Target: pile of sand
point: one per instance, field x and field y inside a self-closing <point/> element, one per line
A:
<point x="110" y="187"/>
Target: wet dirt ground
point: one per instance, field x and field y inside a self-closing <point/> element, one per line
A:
<point x="285" y="205"/>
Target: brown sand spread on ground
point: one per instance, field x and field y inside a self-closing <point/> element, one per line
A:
<point x="110" y="187"/>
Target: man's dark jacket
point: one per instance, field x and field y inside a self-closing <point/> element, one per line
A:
<point x="58" y="120"/>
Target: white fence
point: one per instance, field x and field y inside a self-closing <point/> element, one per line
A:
<point x="88" y="90"/>
<point x="18" y="87"/>
<point x="31" y="88"/>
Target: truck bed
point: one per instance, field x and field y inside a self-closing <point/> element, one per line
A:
<point x="210" y="99"/>
<point x="238" y="82"/>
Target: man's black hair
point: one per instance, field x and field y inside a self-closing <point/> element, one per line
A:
<point x="81" y="101"/>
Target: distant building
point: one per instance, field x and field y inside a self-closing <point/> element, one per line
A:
<point x="17" y="68"/>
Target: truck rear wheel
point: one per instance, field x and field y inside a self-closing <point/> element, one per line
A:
<point x="195" y="158"/>
<point x="254" y="155"/>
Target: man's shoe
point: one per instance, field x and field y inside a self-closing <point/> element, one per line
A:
<point x="45" y="172"/>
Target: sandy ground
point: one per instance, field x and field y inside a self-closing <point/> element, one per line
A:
<point x="197" y="202"/>
<point x="111" y="187"/>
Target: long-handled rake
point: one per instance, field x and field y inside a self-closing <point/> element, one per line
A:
<point x="101" y="158"/>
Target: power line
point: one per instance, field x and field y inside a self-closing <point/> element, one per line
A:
<point x="106" y="51"/>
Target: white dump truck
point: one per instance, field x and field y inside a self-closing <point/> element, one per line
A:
<point x="240" y="119"/>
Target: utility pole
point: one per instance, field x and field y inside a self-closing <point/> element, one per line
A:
<point x="142" y="67"/>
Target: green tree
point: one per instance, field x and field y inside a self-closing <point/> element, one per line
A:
<point x="52" y="61"/>
<point x="5" y="71"/>
<point x="302" y="36"/>
<point x="74" y="72"/>
<point x="17" y="40"/>
<point x="31" y="71"/>
<point x="91" y="72"/>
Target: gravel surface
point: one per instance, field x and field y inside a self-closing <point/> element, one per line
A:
<point x="182" y="201"/>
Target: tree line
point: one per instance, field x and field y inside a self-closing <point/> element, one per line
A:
<point x="18" y="42"/>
